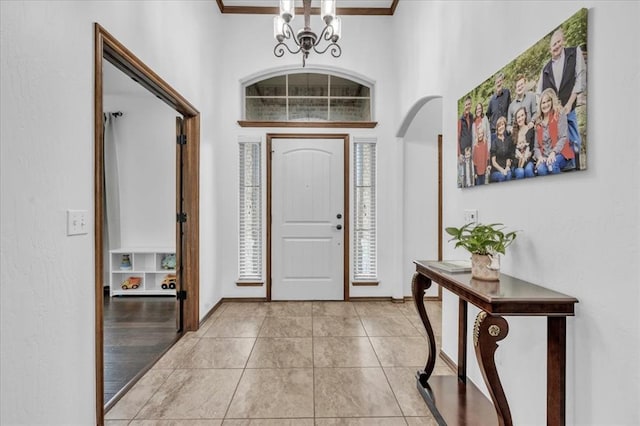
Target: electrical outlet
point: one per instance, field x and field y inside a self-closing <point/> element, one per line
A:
<point x="77" y="222"/>
<point x="471" y="216"/>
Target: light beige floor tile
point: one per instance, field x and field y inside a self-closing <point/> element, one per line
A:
<point x="353" y="392"/>
<point x="336" y="309"/>
<point x="273" y="393"/>
<point x="192" y="394"/>
<point x="433" y="310"/>
<point x="235" y="327"/>
<point x="442" y="368"/>
<point x="343" y="352"/>
<point x="389" y="326"/>
<point x="177" y="352"/>
<point x="403" y="384"/>
<point x="244" y="309"/>
<point x="209" y="321"/>
<point x="286" y="327"/>
<point x="408" y="307"/>
<point x="216" y="352"/>
<point x="362" y="421"/>
<point x="374" y="309"/>
<point x="116" y="422"/>
<point x="421" y="421"/>
<point x="401" y="351"/>
<point x="129" y="405"/>
<point x="417" y="323"/>
<point x="281" y="352"/>
<point x="337" y="326"/>
<point x="180" y="422"/>
<point x="268" y="422"/>
<point x="434" y="318"/>
<point x="288" y="309"/>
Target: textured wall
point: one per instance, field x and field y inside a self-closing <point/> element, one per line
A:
<point x="581" y="232"/>
<point x="47" y="303"/>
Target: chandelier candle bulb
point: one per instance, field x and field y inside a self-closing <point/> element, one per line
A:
<point x="287" y="10"/>
<point x="278" y="28"/>
<point x="328" y="11"/>
<point x="336" y="26"/>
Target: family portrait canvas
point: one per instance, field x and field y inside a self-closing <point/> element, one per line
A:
<point x="529" y="119"/>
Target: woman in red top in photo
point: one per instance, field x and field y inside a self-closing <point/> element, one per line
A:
<point x="552" y="149"/>
<point x="480" y="119"/>
<point x="480" y="154"/>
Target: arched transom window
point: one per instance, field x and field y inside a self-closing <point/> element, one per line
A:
<point x="308" y="97"/>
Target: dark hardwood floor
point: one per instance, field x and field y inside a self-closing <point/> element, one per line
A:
<point x="137" y="331"/>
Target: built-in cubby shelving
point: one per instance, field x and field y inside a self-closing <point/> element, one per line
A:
<point x="142" y="268"/>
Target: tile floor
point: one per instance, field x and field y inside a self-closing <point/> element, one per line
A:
<point x="290" y="363"/>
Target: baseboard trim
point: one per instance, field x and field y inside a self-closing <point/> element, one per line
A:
<point x="375" y="299"/>
<point x="243" y="299"/>
<point x="351" y="299"/>
<point x="452" y="365"/>
<point x="427" y="298"/>
<point x="211" y="311"/>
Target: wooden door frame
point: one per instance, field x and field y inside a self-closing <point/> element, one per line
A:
<point x="440" y="235"/>
<point x="347" y="216"/>
<point x="108" y="48"/>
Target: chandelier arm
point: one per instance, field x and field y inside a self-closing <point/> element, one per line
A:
<point x="336" y="50"/>
<point x="288" y="34"/>
<point x="326" y="34"/>
<point x="278" y="50"/>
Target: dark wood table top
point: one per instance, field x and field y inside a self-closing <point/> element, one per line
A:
<point x="508" y="296"/>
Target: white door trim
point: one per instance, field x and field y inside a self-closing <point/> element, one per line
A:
<point x="346" y="223"/>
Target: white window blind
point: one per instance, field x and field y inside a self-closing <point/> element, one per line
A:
<point x="250" y="235"/>
<point x="365" y="244"/>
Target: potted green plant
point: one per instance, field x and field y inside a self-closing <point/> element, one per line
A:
<point x="485" y="243"/>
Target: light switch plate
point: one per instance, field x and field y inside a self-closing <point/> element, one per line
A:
<point x="77" y="222"/>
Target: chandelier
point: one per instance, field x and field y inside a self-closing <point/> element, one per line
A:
<point x="305" y="40"/>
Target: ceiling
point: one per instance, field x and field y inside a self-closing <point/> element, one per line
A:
<point x="344" y="7"/>
<point x="118" y="83"/>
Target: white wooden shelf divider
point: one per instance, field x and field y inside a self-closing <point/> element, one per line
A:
<point x="144" y="268"/>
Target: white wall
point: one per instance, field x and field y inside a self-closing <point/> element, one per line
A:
<point x="146" y="149"/>
<point x="420" y="165"/>
<point x="47" y="303"/>
<point x="365" y="52"/>
<point x="581" y="232"/>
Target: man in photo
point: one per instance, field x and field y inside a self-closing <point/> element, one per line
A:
<point x="566" y="74"/>
<point x="499" y="103"/>
<point x="523" y="98"/>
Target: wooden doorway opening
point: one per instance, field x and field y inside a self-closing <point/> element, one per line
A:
<point x="187" y="191"/>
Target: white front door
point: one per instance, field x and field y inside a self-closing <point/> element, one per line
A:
<point x="307" y="226"/>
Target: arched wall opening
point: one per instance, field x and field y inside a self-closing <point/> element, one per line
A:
<point x="419" y="134"/>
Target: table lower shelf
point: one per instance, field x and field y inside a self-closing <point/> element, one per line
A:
<point x="455" y="403"/>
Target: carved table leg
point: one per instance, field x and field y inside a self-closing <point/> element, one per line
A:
<point x="419" y="284"/>
<point x="489" y="330"/>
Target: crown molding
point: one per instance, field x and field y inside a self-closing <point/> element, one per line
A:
<point x="263" y="10"/>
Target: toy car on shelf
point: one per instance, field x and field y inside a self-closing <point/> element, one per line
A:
<point x="131" y="283"/>
<point x="169" y="282"/>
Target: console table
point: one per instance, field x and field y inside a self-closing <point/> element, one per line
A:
<point x="453" y="400"/>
